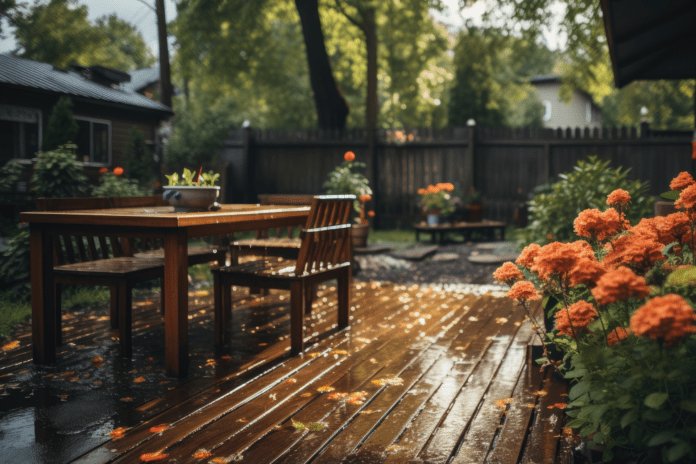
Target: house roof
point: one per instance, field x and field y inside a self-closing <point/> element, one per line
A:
<point x="45" y="77"/>
<point x="141" y="78"/>
<point x="650" y="39"/>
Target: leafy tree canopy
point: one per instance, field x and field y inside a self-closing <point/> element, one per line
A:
<point x="58" y="32"/>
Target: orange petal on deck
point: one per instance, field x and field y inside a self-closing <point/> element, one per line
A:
<point x="540" y="393"/>
<point x="158" y="428"/>
<point x="202" y="454"/>
<point x="325" y="389"/>
<point x="118" y="433"/>
<point x="127" y="399"/>
<point x="139" y="380"/>
<point x="149" y="457"/>
<point x="10" y="345"/>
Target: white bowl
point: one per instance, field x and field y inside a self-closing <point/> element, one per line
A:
<point x="192" y="198"/>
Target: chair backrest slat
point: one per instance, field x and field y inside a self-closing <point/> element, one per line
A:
<point x="69" y="250"/>
<point x="81" y="248"/>
<point x="104" y="247"/>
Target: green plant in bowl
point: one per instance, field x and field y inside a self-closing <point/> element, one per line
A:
<point x="205" y="179"/>
<point x="185" y="194"/>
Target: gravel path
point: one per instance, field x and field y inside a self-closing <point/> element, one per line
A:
<point x="448" y="266"/>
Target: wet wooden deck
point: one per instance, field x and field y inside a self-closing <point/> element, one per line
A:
<point x="422" y="376"/>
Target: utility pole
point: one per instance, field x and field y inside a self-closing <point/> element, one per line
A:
<point x="165" y="75"/>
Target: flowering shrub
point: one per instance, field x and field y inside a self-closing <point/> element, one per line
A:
<point x="622" y="299"/>
<point x="344" y="180"/>
<point x="437" y="198"/>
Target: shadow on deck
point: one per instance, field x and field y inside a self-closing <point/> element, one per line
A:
<point x="422" y="376"/>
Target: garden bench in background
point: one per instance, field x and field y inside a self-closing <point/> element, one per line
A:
<point x="324" y="255"/>
<point x="465" y="228"/>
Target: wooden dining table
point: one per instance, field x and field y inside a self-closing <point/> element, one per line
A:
<point x="174" y="228"/>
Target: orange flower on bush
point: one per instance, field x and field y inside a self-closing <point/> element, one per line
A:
<point x="581" y="314"/>
<point x="523" y="291"/>
<point x="636" y="251"/>
<point x="371" y="213"/>
<point x="618" y="197"/>
<point x="617" y="335"/>
<point x="586" y="271"/>
<point x="676" y="224"/>
<point x="526" y="258"/>
<point x="619" y="285"/>
<point x="118" y="171"/>
<point x="422" y="191"/>
<point x="666" y="319"/>
<point x="102" y="170"/>
<point x="507" y="274"/>
<point x="597" y="225"/>
<point x="559" y="258"/>
<point x="445" y="186"/>
<point x="349" y="156"/>
<point x="682" y="181"/>
<point x="687" y="197"/>
<point x="365" y="198"/>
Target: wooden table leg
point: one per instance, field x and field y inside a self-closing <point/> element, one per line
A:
<point x="43" y="322"/>
<point x="176" y="301"/>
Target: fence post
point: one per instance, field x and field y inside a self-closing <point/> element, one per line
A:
<point x="470" y="167"/>
<point x="374" y="182"/>
<point x="248" y="164"/>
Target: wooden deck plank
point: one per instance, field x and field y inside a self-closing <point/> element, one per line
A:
<point x="359" y="367"/>
<point x="431" y="417"/>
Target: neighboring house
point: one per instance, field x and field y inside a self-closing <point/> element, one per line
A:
<point x="580" y="112"/>
<point x="145" y="82"/>
<point x="105" y="110"/>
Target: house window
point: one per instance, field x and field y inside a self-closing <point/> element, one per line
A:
<point x="20" y="133"/>
<point x="93" y="140"/>
<point x="547" y="110"/>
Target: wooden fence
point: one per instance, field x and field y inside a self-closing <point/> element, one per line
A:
<point x="504" y="164"/>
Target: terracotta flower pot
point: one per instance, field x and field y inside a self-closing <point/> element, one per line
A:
<point x="475" y="212"/>
<point x="359" y="233"/>
<point x="663" y="208"/>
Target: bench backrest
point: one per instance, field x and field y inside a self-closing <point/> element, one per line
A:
<point x="83" y="248"/>
<point x="284" y="199"/>
<point x="326" y="237"/>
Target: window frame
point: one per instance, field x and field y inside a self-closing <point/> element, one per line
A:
<point x="18" y="119"/>
<point x="91" y="140"/>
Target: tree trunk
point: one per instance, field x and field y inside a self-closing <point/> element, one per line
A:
<point x="165" y="75"/>
<point x="370" y="31"/>
<point x="332" y="109"/>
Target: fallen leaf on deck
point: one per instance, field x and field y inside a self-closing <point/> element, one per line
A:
<point x="504" y="402"/>
<point x="501" y="320"/>
<point x="473" y="319"/>
<point x="530" y="405"/>
<point x="134" y="371"/>
<point x="10" y="345"/>
<point x="297" y="425"/>
<point x="220" y="461"/>
<point x="149" y="359"/>
<point x="202" y="454"/>
<point x="139" y="380"/>
<point x="540" y="393"/>
<point x="62" y="397"/>
<point x="460" y="348"/>
<point x="557" y="405"/>
<point x="315" y="426"/>
<point x="305" y="395"/>
<point x="363" y="340"/>
<point x="325" y="389"/>
<point x="242" y="420"/>
<point x="339" y="352"/>
<point x="337" y="396"/>
<point x="373" y="360"/>
<point x="314" y="355"/>
<point x="394" y="448"/>
<point x="227" y="357"/>
<point x="118" y="433"/>
<point x="86" y="376"/>
<point x="148" y="457"/>
<point x="67" y="374"/>
<point x="564" y="394"/>
<point x="97" y="382"/>
<point x="367" y="411"/>
<point x="164" y="382"/>
<point x="388" y="381"/>
<point x="73" y="379"/>
<point x="567" y="431"/>
<point x="158" y="428"/>
<point x="292" y="380"/>
<point x="127" y="399"/>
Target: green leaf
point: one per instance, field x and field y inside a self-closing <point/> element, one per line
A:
<point x="661" y="438"/>
<point x="671" y="195"/>
<point x="688" y="405"/>
<point x="576" y="423"/>
<point x="579" y="390"/>
<point x="678" y="451"/>
<point x="657" y="416"/>
<point x="575" y="373"/>
<point x="656" y="399"/>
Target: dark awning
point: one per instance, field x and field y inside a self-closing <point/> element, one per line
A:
<point x="651" y="39"/>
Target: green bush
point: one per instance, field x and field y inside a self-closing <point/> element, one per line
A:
<point x="14" y="266"/>
<point x="556" y="205"/>
<point x="138" y="158"/>
<point x="57" y="174"/>
<point x="112" y="185"/>
<point x="62" y="128"/>
<point x="9" y="175"/>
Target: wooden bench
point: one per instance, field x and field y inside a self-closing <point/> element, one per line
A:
<point x="466" y="228"/>
<point x="325" y="254"/>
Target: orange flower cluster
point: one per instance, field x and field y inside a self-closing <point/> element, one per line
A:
<point x="523" y="291"/>
<point x="559" y="259"/>
<point x="687" y="198"/>
<point x="666" y="319"/>
<point x="581" y="314"/>
<point x="619" y="285"/>
<point x="349" y="156"/>
<point x="365" y="198"/>
<point x="594" y="224"/>
<point x="118" y="171"/>
<point x="617" y="335"/>
<point x="586" y="271"/>
<point x="636" y="251"/>
<point x="526" y="258"/>
<point x="436" y="188"/>
<point x="682" y="181"/>
<point x="618" y="197"/>
<point x="507" y="274"/>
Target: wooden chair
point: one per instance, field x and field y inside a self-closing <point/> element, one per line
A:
<point x="94" y="260"/>
<point x="325" y="254"/>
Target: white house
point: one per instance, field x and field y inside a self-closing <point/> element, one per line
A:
<point x="580" y="112"/>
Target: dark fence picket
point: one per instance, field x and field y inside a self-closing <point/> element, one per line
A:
<point x="504" y="164"/>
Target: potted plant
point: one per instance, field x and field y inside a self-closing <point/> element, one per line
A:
<point x="344" y="180"/>
<point x="679" y="183"/>
<point x="436" y="202"/>
<point x="186" y="194"/>
<point x="474" y="205"/>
